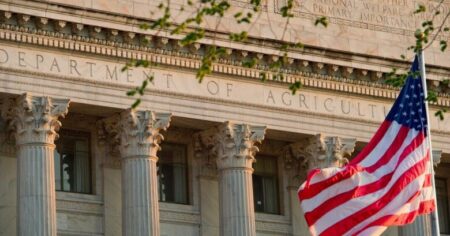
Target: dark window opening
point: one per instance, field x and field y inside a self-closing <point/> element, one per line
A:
<point x="265" y="185"/>
<point x="442" y="205"/>
<point x="73" y="162"/>
<point x="173" y="174"/>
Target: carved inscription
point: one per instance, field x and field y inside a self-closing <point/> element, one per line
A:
<point x="173" y="81"/>
<point x="370" y="13"/>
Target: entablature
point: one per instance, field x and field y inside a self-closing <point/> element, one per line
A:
<point x="313" y="71"/>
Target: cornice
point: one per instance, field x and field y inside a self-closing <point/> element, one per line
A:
<point x="161" y="50"/>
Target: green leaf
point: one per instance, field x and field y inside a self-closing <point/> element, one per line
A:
<point x="131" y="93"/>
<point x="443" y="45"/>
<point x="321" y="21"/>
<point x="136" y="103"/>
<point x="432" y="96"/>
<point x="420" y="8"/>
<point x="295" y="86"/>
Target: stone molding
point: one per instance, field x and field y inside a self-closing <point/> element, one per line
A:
<point x="34" y="119"/>
<point x="131" y="45"/>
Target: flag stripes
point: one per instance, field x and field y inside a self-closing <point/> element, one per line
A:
<point x="388" y="183"/>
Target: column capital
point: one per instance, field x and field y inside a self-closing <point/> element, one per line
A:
<point x="437" y="154"/>
<point x="34" y="119"/>
<point x="236" y="144"/>
<point x="139" y="132"/>
<point x="338" y="150"/>
<point x="205" y="152"/>
<point x="320" y="151"/>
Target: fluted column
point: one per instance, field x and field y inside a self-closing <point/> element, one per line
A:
<point x="139" y="143"/>
<point x="234" y="147"/>
<point x="34" y="122"/>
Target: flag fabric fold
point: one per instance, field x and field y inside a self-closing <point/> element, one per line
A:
<point x="387" y="183"/>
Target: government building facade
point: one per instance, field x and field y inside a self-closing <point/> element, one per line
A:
<point x="221" y="157"/>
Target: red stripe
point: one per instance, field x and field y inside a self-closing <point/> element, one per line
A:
<point x="349" y="222"/>
<point x="395" y="146"/>
<point x="402" y="219"/>
<point x="358" y="191"/>
<point x="310" y="191"/>
<point x="427" y="182"/>
<point x="372" y="143"/>
<point x="312" y="216"/>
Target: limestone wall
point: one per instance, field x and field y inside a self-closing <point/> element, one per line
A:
<point x="374" y="28"/>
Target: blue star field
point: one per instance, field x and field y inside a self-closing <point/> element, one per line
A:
<point x="409" y="108"/>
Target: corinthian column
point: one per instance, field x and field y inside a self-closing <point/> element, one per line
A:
<point x="139" y="143"/>
<point x="235" y="149"/>
<point x="34" y="122"/>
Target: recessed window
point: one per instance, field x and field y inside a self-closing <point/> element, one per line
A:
<point x="265" y="185"/>
<point x="73" y="162"/>
<point x="173" y="174"/>
<point x="442" y="205"/>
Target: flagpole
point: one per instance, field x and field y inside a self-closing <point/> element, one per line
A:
<point x="434" y="214"/>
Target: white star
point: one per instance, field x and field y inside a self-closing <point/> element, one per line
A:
<point x="412" y="113"/>
<point x="414" y="95"/>
<point x="420" y="110"/>
<point x="404" y="113"/>
<point x="410" y="104"/>
<point x="406" y="96"/>
<point x="401" y="105"/>
<point x="416" y="120"/>
<point x="421" y="94"/>
<point x="412" y="86"/>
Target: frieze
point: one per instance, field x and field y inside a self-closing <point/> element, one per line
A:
<point x="166" y="51"/>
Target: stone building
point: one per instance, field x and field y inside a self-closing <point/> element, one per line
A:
<point x="74" y="160"/>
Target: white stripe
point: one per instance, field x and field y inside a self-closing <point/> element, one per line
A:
<point x="374" y="230"/>
<point x="395" y="207"/>
<point x="383" y="145"/>
<point x="356" y="180"/>
<point x="380" y="149"/>
<point x="348" y="208"/>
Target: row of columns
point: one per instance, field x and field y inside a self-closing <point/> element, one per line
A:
<point x="230" y="148"/>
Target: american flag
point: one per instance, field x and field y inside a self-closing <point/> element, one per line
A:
<point x="387" y="183"/>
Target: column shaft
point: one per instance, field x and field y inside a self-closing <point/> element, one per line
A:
<point x="420" y="227"/>
<point x="36" y="190"/>
<point x="140" y="197"/>
<point x="139" y="140"/>
<point x="236" y="202"/>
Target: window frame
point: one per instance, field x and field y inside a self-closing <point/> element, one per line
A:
<point x="88" y="135"/>
<point x="278" y="182"/>
<point x="187" y="179"/>
<point x="446" y="187"/>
